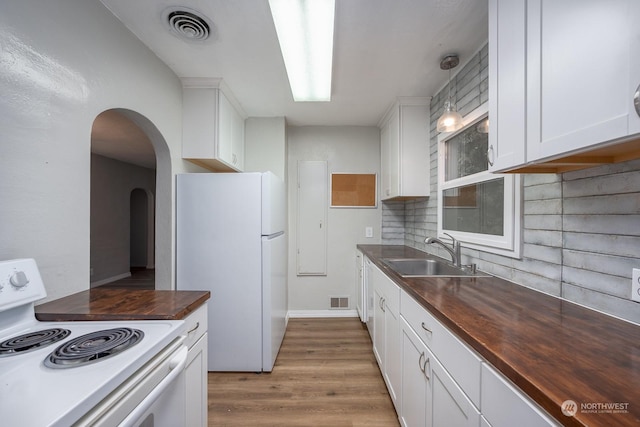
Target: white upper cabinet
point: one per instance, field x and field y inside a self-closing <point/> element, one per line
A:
<point x="562" y="80"/>
<point x="404" y="150"/>
<point x="507" y="78"/>
<point x="213" y="126"/>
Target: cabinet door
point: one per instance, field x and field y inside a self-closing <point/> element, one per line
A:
<point x="196" y="384"/>
<point x="393" y="153"/>
<point x="225" y="129"/>
<point x="237" y="140"/>
<point x="507" y="83"/>
<point x="378" y="326"/>
<point x="578" y="61"/>
<point x="359" y="286"/>
<point x="392" y="353"/>
<point x="415" y="387"/>
<point x="370" y="298"/>
<point x="634" y="81"/>
<point x="413" y="151"/>
<point x="503" y="405"/>
<point x="390" y="157"/>
<point x="449" y="406"/>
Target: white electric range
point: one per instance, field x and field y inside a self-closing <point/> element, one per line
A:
<point x="126" y="373"/>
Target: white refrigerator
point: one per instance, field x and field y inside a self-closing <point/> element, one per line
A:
<point x="230" y="240"/>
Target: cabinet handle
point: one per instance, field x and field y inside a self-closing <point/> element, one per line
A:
<point x="420" y="364"/>
<point x="425" y="328"/>
<point x="636" y="100"/>
<point x="424" y="369"/>
<point x="490" y="155"/>
<point x="194" y="328"/>
<point x="382" y="302"/>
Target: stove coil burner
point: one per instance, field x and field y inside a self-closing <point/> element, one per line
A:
<point x="31" y="341"/>
<point x="92" y="347"/>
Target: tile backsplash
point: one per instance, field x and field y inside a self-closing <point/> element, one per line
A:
<point x="581" y="230"/>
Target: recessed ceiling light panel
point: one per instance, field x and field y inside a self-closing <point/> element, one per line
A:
<point x="188" y="24"/>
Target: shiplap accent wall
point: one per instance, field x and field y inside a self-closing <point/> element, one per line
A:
<point x="581" y="230"/>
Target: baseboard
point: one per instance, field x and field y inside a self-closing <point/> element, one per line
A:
<point x="110" y="279"/>
<point x="292" y="314"/>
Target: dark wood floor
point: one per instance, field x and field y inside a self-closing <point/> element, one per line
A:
<point x="325" y="375"/>
<point x="141" y="278"/>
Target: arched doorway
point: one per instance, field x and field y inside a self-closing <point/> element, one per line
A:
<point x="130" y="199"/>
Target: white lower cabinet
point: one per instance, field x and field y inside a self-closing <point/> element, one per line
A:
<point x="413" y="402"/>
<point x="445" y="383"/>
<point x="196" y="368"/>
<point x="378" y="327"/>
<point x="435" y="379"/>
<point x="386" y="330"/>
<point x="462" y="363"/>
<point x="430" y="397"/>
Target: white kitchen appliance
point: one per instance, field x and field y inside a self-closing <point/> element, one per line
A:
<point x="231" y="241"/>
<point x="124" y="373"/>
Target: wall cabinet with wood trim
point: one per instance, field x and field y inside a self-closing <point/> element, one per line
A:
<point x="404" y="150"/>
<point x="212" y="127"/>
<point x="561" y="94"/>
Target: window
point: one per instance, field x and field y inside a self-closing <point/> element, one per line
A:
<point x="479" y="208"/>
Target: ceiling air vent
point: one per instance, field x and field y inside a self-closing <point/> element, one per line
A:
<point x="188" y="24"/>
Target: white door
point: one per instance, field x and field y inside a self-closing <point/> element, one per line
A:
<point x="312" y="218"/>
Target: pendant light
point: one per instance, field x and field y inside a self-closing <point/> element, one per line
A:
<point x="450" y="120"/>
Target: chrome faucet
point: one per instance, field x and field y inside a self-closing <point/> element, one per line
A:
<point x="454" y="250"/>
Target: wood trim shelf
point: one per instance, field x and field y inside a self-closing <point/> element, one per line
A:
<point x="610" y="154"/>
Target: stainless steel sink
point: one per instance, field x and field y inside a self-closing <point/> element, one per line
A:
<point x="426" y="268"/>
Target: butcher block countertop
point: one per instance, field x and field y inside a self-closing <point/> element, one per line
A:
<point x="122" y="304"/>
<point x="552" y="349"/>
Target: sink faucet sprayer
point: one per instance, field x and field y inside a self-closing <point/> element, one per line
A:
<point x="454" y="250"/>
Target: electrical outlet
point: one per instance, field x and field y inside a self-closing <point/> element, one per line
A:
<point x="368" y="232"/>
<point x="635" y="285"/>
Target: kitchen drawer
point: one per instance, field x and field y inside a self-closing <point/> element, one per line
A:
<point x="460" y="361"/>
<point x="392" y="297"/>
<point x="387" y="288"/>
<point x="196" y="325"/>
<point x="418" y="318"/>
<point x="504" y="405"/>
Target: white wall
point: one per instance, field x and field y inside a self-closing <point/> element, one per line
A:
<point x="346" y="149"/>
<point x="62" y="63"/>
<point x="265" y="145"/>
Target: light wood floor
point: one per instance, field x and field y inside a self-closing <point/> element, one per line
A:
<point x="325" y="375"/>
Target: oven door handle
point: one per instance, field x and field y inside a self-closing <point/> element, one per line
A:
<point x="177" y="364"/>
